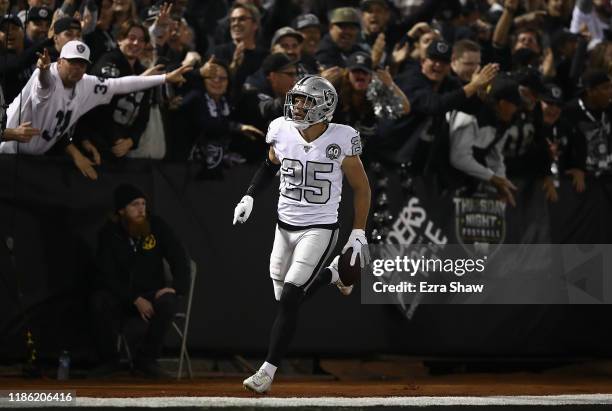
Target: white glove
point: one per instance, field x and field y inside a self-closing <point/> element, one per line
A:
<point x="357" y="241"/>
<point x="243" y="209"/>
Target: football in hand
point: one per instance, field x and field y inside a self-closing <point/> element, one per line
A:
<point x="349" y="274"/>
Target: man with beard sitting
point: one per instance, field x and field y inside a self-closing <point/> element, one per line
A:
<point x="131" y="283"/>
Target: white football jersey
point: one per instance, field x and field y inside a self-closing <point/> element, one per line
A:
<point x="311" y="173"/>
<point x="56" y="110"/>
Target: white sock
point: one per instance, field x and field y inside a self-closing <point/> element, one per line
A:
<point x="269" y="369"/>
<point x="335" y="276"/>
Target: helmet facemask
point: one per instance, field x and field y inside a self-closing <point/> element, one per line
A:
<point x="304" y="108"/>
<point x="299" y="109"/>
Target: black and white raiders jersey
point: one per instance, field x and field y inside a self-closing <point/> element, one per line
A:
<point x="311" y="173"/>
<point x="55" y="110"/>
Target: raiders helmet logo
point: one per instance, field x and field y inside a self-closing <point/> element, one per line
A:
<point x="442" y="47"/>
<point x="332" y="151"/>
<point x="80" y="48"/>
<point x="360" y="59"/>
<point x="556" y="92"/>
<point x="330" y="98"/>
<point x="43" y="13"/>
<point x="149" y="242"/>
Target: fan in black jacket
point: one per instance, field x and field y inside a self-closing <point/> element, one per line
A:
<point x="432" y="93"/>
<point x="17" y="63"/>
<point x="131" y="248"/>
<point x="590" y="118"/>
<point x="101" y="40"/>
<point x="342" y="39"/>
<point x="126" y="117"/>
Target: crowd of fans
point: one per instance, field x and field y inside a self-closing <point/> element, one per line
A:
<point x="484" y="90"/>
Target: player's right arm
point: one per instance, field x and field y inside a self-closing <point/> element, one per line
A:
<point x="262" y="178"/>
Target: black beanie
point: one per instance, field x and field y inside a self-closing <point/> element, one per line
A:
<point x="125" y="194"/>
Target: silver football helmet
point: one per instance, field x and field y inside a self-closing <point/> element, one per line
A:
<point x="311" y="100"/>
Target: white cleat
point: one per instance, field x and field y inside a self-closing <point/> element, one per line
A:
<point x="260" y="382"/>
<point x="344" y="289"/>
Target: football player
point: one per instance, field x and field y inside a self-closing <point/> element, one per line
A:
<point x="312" y="155"/>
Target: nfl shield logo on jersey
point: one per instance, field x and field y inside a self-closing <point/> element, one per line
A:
<point x="332" y="151"/>
<point x="307" y="149"/>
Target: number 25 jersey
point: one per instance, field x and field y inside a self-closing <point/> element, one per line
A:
<point x="311" y="174"/>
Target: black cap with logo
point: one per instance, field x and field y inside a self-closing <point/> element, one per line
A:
<point x="39" y="13"/>
<point x="306" y="20"/>
<point x="552" y="94"/>
<point x="439" y="50"/>
<point x="359" y="61"/>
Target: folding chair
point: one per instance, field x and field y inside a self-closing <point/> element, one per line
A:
<point x="180" y="324"/>
<point x="181" y="321"/>
<point x="122" y="343"/>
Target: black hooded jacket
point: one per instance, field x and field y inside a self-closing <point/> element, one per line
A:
<point x="129" y="267"/>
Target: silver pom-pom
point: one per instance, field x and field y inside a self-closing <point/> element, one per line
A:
<point x="387" y="105"/>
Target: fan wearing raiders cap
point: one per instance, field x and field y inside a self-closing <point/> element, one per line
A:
<point x="313" y="155"/>
<point x="58" y="94"/>
<point x="559" y="134"/>
<point x="37" y="24"/>
<point x="432" y="92"/>
<point x="291" y="42"/>
<point x="355" y="108"/>
<point x="279" y="73"/>
<point x="286" y="41"/>
<point x="50" y="4"/>
<point x="526" y="152"/>
<point x="477" y="141"/>
<point x="15" y="60"/>
<point x="589" y="114"/>
<point x="310" y="27"/>
<point x="65" y="29"/>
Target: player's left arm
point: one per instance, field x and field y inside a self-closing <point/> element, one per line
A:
<point x="358" y="180"/>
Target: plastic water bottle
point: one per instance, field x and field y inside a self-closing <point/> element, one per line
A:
<point x="63" y="369"/>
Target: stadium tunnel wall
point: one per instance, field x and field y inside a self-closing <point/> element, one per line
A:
<point x="53" y="214"/>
